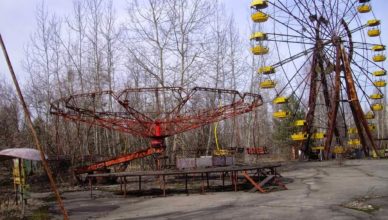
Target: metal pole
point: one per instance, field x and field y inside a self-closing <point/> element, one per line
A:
<point x="235" y="180"/>
<point x="121" y="185"/>
<point x="91" y="187"/>
<point x="164" y="185"/>
<point x="202" y="184"/>
<point x="207" y="180"/>
<point x="125" y="186"/>
<point x="139" y="183"/>
<point x="33" y="132"/>
<point x="223" y="180"/>
<point x="187" y="191"/>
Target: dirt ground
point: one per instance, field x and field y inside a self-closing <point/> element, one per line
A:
<point x="357" y="189"/>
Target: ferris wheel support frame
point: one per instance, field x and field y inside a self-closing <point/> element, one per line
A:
<point x="342" y="65"/>
<point x="358" y="115"/>
<point x="332" y="128"/>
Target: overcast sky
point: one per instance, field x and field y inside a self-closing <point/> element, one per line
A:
<point x="17" y="23"/>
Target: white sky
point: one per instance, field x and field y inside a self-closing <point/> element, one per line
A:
<point x="17" y="23"/>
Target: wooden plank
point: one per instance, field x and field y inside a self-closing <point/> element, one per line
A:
<point x="266" y="180"/>
<point x="257" y="186"/>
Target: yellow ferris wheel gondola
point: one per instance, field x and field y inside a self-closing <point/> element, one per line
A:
<point x="259" y="50"/>
<point x="281" y="114"/>
<point x="339" y="150"/>
<point x="376" y="96"/>
<point x="258" y="36"/>
<point x="379" y="58"/>
<point x="369" y="115"/>
<point x="268" y="84"/>
<point x="318" y="135"/>
<point x="364" y="8"/>
<point x="259" y="17"/>
<point x="352" y="131"/>
<point x="299" y="123"/>
<point x="354" y="142"/>
<point x="377" y="107"/>
<point x="259" y="4"/>
<point x="380" y="83"/>
<point x="300" y="136"/>
<point x="266" y="70"/>
<point x="373" y="23"/>
<point x="280" y="100"/>
<point x="375" y="32"/>
<point x="378" y="48"/>
<point x="380" y="73"/>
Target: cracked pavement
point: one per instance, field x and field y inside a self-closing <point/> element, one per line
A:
<point x="319" y="190"/>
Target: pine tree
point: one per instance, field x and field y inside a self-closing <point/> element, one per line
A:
<point x="284" y="128"/>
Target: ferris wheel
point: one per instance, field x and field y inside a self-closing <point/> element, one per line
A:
<point x="327" y="56"/>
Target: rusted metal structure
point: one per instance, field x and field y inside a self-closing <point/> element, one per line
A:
<point x="342" y="69"/>
<point x="258" y="175"/>
<point x="154" y="113"/>
<point x="331" y="61"/>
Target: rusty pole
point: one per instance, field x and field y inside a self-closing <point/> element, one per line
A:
<point x="311" y="107"/>
<point x="33" y="132"/>
<point x="305" y="145"/>
<point x="356" y="107"/>
<point x="335" y="103"/>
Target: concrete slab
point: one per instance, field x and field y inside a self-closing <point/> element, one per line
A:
<point x="319" y="190"/>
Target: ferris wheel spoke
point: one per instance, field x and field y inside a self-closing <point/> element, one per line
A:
<point x="326" y="13"/>
<point x="366" y="59"/>
<point x="360" y="28"/>
<point x="354" y="30"/>
<point x="327" y="25"/>
<point x="297" y="73"/>
<point x="345" y="12"/>
<point x="360" y="48"/>
<point x="282" y="67"/>
<point x="366" y="73"/>
<point x="363" y="92"/>
<point x="291" y="28"/>
<point x="364" y="43"/>
<point x="349" y="21"/>
<point x="363" y="71"/>
<point x="290" y="36"/>
<point x="306" y="8"/>
<point x="298" y="20"/>
<point x="354" y="16"/>
<point x="299" y="98"/>
<point x="336" y="6"/>
<point x="310" y="17"/>
<point x="366" y="46"/>
<point x="290" y="41"/>
<point x="293" y="57"/>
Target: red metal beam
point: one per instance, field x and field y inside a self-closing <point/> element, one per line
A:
<point x="257" y="186"/>
<point x="119" y="159"/>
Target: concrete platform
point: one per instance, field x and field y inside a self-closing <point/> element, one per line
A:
<point x="319" y="190"/>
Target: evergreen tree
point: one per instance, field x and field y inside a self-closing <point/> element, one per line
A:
<point x="284" y="128"/>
